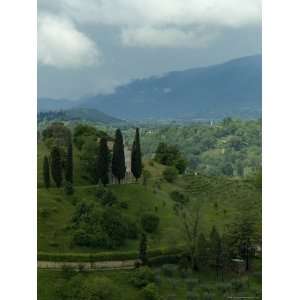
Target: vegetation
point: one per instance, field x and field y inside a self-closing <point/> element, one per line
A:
<point x="103" y="160"/>
<point x="46" y="172"/>
<point x="136" y="156"/>
<point x="187" y="229"/>
<point x="118" y="159"/>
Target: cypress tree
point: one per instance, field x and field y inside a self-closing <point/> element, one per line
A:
<point x="136" y="156"/>
<point x="46" y="172"/>
<point x="69" y="163"/>
<point x="103" y="162"/>
<point x="143" y="248"/>
<point x="56" y="166"/>
<point x="118" y="159"/>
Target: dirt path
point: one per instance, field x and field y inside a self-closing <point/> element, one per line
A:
<point x="88" y="266"/>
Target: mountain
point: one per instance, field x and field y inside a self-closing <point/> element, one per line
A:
<point x="48" y="104"/>
<point x="74" y="114"/>
<point x="214" y="92"/>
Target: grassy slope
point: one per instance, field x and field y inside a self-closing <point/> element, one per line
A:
<point x="220" y="201"/>
<point x="54" y="234"/>
<point x="49" y="280"/>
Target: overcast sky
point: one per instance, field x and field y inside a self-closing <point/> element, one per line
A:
<point x="88" y="47"/>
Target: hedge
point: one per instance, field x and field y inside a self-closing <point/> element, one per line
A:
<point x="105" y="256"/>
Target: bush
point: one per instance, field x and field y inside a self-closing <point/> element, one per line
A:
<point x="237" y="284"/>
<point x="107" y="197"/>
<point x="207" y="296"/>
<point x="142" y="276"/>
<point x="150" y="222"/>
<point x="115" y="227"/>
<point x="132" y="230"/>
<point x="169" y="270"/>
<point x="150" y="292"/>
<point x="170" y="174"/>
<point x="69" y="189"/>
<point x="192" y="296"/>
<point x="223" y="287"/>
<point x="191" y="283"/>
<point x="124" y="204"/>
<point x="79" y="287"/>
<point x="67" y="272"/>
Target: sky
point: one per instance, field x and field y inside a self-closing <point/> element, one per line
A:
<point x="92" y="46"/>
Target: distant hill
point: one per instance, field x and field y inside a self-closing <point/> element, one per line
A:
<point x="83" y="114"/>
<point x="48" y="104"/>
<point x="214" y="92"/>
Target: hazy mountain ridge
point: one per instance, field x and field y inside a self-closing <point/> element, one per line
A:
<point x="229" y="89"/>
<point x="76" y="114"/>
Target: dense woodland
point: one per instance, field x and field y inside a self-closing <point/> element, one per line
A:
<point x="193" y="207"/>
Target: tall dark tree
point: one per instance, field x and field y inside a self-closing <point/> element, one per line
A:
<point x="216" y="251"/>
<point x="103" y="161"/>
<point x="143" y="248"/>
<point x="56" y="166"/>
<point x="118" y="159"/>
<point x="46" y="172"/>
<point x="136" y="156"/>
<point x="69" y="163"/>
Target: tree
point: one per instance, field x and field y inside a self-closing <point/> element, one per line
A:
<point x="216" y="251"/>
<point x="227" y="169"/>
<point x="56" y="166"/>
<point x="88" y="158"/>
<point x="189" y="217"/>
<point x="143" y="248"/>
<point x="118" y="159"/>
<point x="242" y="237"/>
<point x="46" y="172"/>
<point x="103" y="162"/>
<point x="136" y="156"/>
<point x="149" y="222"/>
<point x="170" y="174"/>
<point x="202" y="252"/>
<point x="69" y="164"/>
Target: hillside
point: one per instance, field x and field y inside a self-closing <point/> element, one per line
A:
<point x="214" y="92"/>
<point x="78" y="114"/>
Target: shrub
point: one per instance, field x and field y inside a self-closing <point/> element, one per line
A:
<point x="67" y="271"/>
<point x="142" y="276"/>
<point x="237" y="284"/>
<point x="191" y="283"/>
<point x="150" y="292"/>
<point x="207" y="296"/>
<point x="192" y="296"/>
<point x="150" y="222"/>
<point x="98" y="288"/>
<point x="124" y="204"/>
<point x="170" y="174"/>
<point x="82" y="238"/>
<point x="108" y="198"/>
<point x="132" y="230"/>
<point x="223" y="287"/>
<point x="69" y="190"/>
<point x="115" y="227"/>
<point x="169" y="269"/>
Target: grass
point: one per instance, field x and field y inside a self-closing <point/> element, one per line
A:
<point x="49" y="281"/>
<point x="221" y="200"/>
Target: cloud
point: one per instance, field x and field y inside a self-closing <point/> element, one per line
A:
<point x="162" y="23"/>
<point x="61" y="45"/>
<point x="164" y="38"/>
